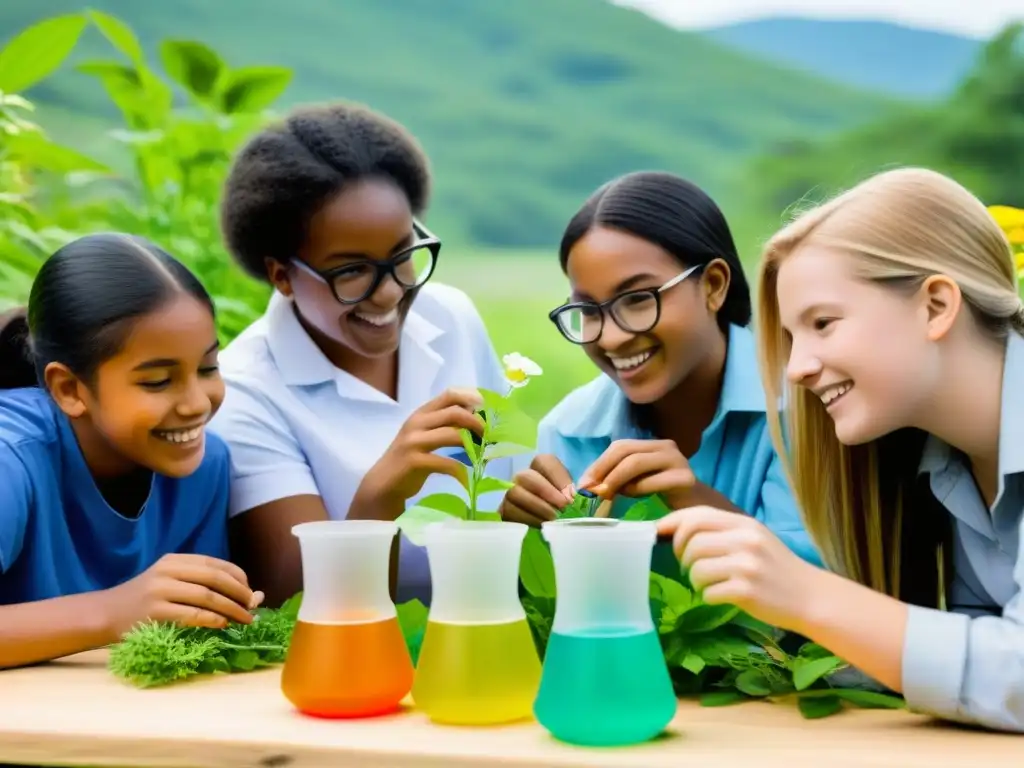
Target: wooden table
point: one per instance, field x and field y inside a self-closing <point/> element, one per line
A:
<point x="73" y="712"/>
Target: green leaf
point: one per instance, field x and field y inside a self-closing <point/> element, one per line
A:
<point x="143" y="99"/>
<point x="290" y="607"/>
<point x="721" y="698"/>
<point x="813" y="651"/>
<point x="756" y="630"/>
<point x="503" y="450"/>
<point x="119" y="34"/>
<point x="490" y="484"/>
<point x="512" y="426"/>
<point x="672" y="593"/>
<point x="536" y="568"/>
<point x="469" y="446"/>
<point x="412" y="617"/>
<point x="195" y="66"/>
<point x="213" y="665"/>
<point x="540" y="612"/>
<point x="252" y="89"/>
<point x="807" y="671"/>
<point x="704" y="618"/>
<point x="647" y="508"/>
<point x="860" y="698"/>
<point x="814" y="708"/>
<point x="693" y="662"/>
<point x="37" y="51"/>
<point x="753" y="683"/>
<point x="488" y="517"/>
<point x="578" y="508"/>
<point x="448" y="503"/>
<point x="637" y="512"/>
<point x="244" y="660"/>
<point x="413" y="522"/>
<point x="34" y="150"/>
<point x="496" y="403"/>
<point x="720" y="650"/>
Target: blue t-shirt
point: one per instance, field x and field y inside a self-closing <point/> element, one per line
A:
<point x="58" y="536"/>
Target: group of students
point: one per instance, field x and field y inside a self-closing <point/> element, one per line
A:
<point x="851" y="470"/>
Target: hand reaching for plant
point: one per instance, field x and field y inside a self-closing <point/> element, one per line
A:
<point x="410" y="459"/>
<point x="641" y="468"/>
<point x="190" y="590"/>
<point x="734" y="559"/>
<point x="539" y="492"/>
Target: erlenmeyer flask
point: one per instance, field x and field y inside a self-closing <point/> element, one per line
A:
<point x="478" y="663"/>
<point x="605" y="681"/>
<point x="347" y="656"/>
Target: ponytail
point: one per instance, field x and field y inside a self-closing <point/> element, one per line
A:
<point x="16" y="368"/>
<point x="83" y="303"/>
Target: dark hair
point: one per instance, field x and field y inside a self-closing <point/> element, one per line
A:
<point x="674" y="214"/>
<point x="82" y="303"/>
<point x="289" y="171"/>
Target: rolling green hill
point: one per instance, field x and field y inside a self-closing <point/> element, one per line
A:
<point x="975" y="135"/>
<point x="524" y="107"/>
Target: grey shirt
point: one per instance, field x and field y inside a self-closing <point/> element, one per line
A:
<point x="967" y="664"/>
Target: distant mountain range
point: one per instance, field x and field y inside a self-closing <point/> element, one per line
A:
<point x="880" y="56"/>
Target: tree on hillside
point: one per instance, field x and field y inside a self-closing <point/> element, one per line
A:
<point x="976" y="136"/>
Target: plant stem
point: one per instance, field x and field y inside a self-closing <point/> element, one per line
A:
<point x="474" y="481"/>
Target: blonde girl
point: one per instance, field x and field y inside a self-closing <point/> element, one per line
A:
<point x="890" y="326"/>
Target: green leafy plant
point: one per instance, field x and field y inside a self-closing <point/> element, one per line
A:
<point x="181" y="125"/>
<point x="155" y="654"/>
<point x="716" y="652"/>
<point x="508" y="431"/>
<point x="159" y="653"/>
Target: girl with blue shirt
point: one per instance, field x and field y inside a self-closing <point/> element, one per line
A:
<point x="661" y="305"/>
<point x="114" y="501"/>
<point x="346" y="398"/>
<point x="891" y="329"/>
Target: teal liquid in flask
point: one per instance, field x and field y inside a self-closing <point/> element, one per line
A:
<point x="604" y="680"/>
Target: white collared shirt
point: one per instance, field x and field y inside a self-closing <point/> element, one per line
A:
<point x="297" y="425"/>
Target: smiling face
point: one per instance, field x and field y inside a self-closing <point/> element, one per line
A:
<point x="605" y="263"/>
<point x="370" y="220"/>
<point x="864" y="349"/>
<point x="148" y="404"/>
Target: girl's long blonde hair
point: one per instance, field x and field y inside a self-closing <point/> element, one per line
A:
<point x="861" y="504"/>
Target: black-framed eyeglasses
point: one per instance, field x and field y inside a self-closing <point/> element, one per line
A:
<point x="582" y="322"/>
<point x="356" y="281"/>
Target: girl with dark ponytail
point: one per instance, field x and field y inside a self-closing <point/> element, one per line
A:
<point x="114" y="502"/>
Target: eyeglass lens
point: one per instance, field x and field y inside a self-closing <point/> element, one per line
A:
<point x="411" y="269"/>
<point x="632" y="312"/>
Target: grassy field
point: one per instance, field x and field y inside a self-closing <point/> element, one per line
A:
<point x="514" y="293"/>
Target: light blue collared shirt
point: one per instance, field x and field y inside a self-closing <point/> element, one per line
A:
<point x="736" y="456"/>
<point x="968" y="665"/>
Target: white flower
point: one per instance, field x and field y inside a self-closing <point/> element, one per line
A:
<point x="519" y="369"/>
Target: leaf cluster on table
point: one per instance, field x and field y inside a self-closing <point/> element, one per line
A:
<point x="716" y="652"/>
<point x="158" y="653"/>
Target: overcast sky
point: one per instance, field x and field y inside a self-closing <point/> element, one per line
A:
<point x="976" y="18"/>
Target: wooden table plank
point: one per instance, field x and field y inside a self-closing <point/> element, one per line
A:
<point x="73" y="712"/>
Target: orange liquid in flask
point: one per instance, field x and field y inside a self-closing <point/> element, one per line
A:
<point x="347" y="670"/>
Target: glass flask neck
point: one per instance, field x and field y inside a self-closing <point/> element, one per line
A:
<point x="602" y="574"/>
<point x="345" y="570"/>
<point x="474" y="571"/>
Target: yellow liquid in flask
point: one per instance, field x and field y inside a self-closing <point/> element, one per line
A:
<point x="477" y="674"/>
